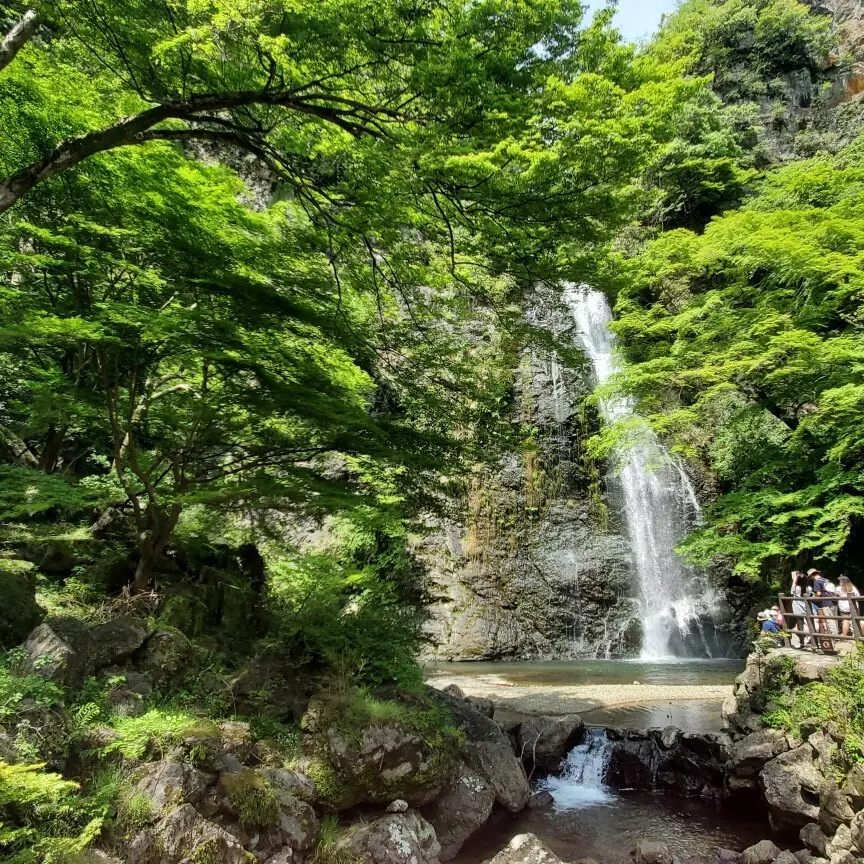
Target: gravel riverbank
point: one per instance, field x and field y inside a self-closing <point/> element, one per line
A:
<point x="552" y="699"/>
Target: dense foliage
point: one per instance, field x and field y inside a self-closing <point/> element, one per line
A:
<point x="263" y="269"/>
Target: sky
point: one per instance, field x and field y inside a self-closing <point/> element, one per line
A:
<point x="637" y="18"/>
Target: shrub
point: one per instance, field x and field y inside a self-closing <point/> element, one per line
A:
<point x="329" y="850"/>
<point x="838" y="700"/>
<point x="41" y="821"/>
<point x="157" y="730"/>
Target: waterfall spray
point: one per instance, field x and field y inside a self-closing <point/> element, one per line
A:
<point x="678" y="602"/>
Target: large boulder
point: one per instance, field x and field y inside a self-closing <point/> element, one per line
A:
<point x="65" y="650"/>
<point x="857" y="831"/>
<point x="184" y="835"/>
<point x="835" y="808"/>
<point x="265" y="686"/>
<point x="525" y="849"/>
<point x="544" y="742"/>
<point x="398" y="838"/>
<point x="168" y="784"/>
<point x="166" y="656"/>
<point x="791" y="783"/>
<point x="359" y="758"/>
<point x="749" y="755"/>
<point x="488" y="752"/>
<point x="58" y="650"/>
<point x="268" y="811"/>
<point x="763" y="852"/>
<point x="19" y="611"/>
<point x="460" y="811"/>
<point x="813" y="837"/>
<point x="115" y="641"/>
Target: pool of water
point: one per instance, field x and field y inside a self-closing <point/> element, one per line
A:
<point x="608" y="828"/>
<point x="702" y="716"/>
<point x="576" y="672"/>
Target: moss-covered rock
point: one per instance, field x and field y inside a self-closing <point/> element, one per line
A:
<point x="19" y="611"/>
<point x="361" y="749"/>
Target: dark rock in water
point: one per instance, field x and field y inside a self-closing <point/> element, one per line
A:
<point x="526" y="849"/>
<point x="544" y="742"/>
<point x="541" y="801"/>
<point x="651" y="852"/>
<point x="683" y="764"/>
<point x="463" y="809"/>
<point x="728" y="856"/>
<point x="763" y="852"/>
<point x="791" y="787"/>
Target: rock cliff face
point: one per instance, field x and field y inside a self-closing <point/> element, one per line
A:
<point x="539" y="566"/>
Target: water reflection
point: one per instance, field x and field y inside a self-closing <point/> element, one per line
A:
<point x="608" y="831"/>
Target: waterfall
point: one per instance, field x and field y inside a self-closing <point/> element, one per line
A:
<point x="678" y="603"/>
<point x="581" y="781"/>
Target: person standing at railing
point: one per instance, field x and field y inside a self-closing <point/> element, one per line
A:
<point x="845" y="591"/>
<point x="824" y="605"/>
<point x="796" y="623"/>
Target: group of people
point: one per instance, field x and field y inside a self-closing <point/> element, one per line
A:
<point x="831" y="604"/>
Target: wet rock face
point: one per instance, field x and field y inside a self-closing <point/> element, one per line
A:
<point x="535" y="568"/>
<point x="680" y="763"/>
<point x="544" y="742"/>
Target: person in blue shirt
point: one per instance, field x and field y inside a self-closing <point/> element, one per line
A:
<point x="769" y="625"/>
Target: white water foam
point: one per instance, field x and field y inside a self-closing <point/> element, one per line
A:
<point x="581" y="782"/>
<point x="660" y="507"/>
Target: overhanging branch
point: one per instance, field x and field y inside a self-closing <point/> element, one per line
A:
<point x="18" y="37"/>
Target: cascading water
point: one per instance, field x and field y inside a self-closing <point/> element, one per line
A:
<point x="678" y="603"/>
<point x="581" y="780"/>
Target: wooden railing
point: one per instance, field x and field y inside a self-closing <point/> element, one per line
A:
<point x="822" y="616"/>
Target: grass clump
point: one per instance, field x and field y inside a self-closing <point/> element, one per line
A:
<point x="328" y="849"/>
<point x="251" y="797"/>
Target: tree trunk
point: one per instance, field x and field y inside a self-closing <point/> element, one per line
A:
<point x="153" y="545"/>
<point x="17" y="38"/>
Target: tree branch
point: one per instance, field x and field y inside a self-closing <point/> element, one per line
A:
<point x="18" y="37"/>
<point x="356" y="119"/>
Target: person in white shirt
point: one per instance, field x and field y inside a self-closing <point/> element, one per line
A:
<point x="845" y="591"/>
<point x="797" y="622"/>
